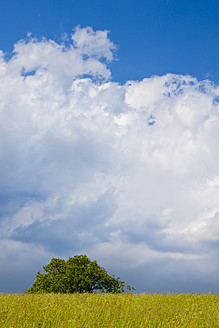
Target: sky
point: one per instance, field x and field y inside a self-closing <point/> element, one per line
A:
<point x="109" y="138"/>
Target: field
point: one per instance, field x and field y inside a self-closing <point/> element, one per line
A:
<point x="109" y="310"/>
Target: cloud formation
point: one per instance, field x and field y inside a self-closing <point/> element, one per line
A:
<point x="127" y="174"/>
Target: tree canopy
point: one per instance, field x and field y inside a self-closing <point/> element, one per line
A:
<point x="77" y="274"/>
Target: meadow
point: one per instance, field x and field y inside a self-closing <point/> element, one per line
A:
<point x="109" y="310"/>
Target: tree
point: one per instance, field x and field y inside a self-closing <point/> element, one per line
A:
<point x="77" y="274"/>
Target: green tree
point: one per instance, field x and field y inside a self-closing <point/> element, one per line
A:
<point x="76" y="275"/>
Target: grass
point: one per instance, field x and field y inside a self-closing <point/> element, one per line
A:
<point x="109" y="310"/>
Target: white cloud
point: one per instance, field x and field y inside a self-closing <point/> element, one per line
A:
<point x="125" y="173"/>
<point x="93" y="44"/>
<point x="213" y="182"/>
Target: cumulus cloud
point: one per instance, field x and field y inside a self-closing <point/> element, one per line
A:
<point x="93" y="44"/>
<point x="127" y="174"/>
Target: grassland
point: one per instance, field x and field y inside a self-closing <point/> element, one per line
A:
<point x="109" y="310"/>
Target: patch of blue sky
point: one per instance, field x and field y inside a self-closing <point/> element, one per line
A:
<point x="216" y="100"/>
<point x="151" y="120"/>
<point x="28" y="73"/>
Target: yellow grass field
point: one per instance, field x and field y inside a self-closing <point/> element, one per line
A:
<point x="109" y="310"/>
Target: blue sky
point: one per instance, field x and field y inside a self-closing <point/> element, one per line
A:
<point x="153" y="37"/>
<point x="109" y="138"/>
